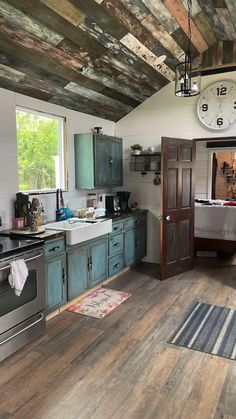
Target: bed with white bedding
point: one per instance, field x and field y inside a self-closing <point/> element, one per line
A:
<point x="215" y="227"/>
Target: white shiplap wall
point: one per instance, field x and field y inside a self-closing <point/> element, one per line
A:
<point x="76" y="122"/>
<point x="164" y="115"/>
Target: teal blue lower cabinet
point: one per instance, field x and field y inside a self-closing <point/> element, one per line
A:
<point x="98" y="255"/>
<point x="55" y="274"/>
<point x="116" y="264"/>
<point x="129" y="247"/>
<point x="141" y="242"/>
<point x="86" y="265"/>
<point x="77" y="270"/>
<point x="135" y="238"/>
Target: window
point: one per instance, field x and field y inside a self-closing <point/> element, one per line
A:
<point x="40" y="149"/>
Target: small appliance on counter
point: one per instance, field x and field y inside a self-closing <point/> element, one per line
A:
<point x="123" y="197"/>
<point x="112" y="204"/>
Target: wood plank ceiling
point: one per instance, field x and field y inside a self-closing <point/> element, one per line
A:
<point x="105" y="57"/>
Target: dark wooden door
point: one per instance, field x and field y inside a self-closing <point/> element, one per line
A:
<point x="177" y="206"/>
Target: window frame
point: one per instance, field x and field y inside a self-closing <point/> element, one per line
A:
<point x="63" y="155"/>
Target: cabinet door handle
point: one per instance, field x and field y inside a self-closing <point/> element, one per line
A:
<point x="116" y="245"/>
<point x="116" y="265"/>
<point x="110" y="161"/>
<point x="137" y="222"/>
<point x="116" y="228"/>
<point x="90" y="263"/>
<point x="63" y="276"/>
<point x="53" y="249"/>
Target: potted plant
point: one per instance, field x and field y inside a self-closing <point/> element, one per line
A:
<point x="136" y="148"/>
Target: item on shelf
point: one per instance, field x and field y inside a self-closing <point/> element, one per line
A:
<point x="136" y="148"/>
<point x="98" y="130"/>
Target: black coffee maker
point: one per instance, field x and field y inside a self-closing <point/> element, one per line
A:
<point x="123" y="200"/>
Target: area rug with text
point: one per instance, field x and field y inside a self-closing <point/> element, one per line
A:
<point x="99" y="303"/>
<point x="208" y="328"/>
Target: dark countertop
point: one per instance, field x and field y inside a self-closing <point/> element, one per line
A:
<point x="52" y="234"/>
<point x="46" y="235"/>
<point x="123" y="215"/>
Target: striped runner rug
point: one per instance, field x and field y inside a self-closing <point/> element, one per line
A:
<point x="208" y="328"/>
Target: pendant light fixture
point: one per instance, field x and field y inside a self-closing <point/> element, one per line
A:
<point x="187" y="72"/>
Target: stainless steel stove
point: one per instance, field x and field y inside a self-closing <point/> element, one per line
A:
<point x="21" y="318"/>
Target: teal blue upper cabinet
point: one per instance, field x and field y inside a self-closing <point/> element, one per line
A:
<point x="117" y="162"/>
<point x="78" y="270"/>
<point x="98" y="161"/>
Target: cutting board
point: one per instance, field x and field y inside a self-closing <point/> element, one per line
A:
<point x="28" y="232"/>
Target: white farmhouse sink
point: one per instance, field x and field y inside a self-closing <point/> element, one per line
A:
<point x="80" y="230"/>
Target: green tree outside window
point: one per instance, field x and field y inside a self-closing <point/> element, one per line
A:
<point x="38" y="147"/>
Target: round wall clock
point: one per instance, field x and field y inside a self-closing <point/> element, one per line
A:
<point x="216" y="106"/>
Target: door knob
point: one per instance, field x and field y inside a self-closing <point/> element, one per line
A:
<point x="164" y="217"/>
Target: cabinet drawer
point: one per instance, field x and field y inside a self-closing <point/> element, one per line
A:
<point x="129" y="223"/>
<point x="53" y="247"/>
<point x="116" y="264"/>
<point x="117" y="227"/>
<point x="115" y="243"/>
<point x="135" y="221"/>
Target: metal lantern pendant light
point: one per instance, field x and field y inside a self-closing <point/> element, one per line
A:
<point x="187" y="72"/>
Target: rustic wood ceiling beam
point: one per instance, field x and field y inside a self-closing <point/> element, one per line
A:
<point x="220" y="56"/>
<point x="43" y="14"/>
<point x="204" y="27"/>
<point x="98" y="14"/>
<point x="231" y="4"/>
<point x="66" y="10"/>
<point x="55" y="69"/>
<point x="43" y="49"/>
<point x="142" y="13"/>
<point x="210" y="12"/>
<point x="118" y="55"/>
<point x="179" y="12"/>
<point x="162" y="14"/>
<point x="138" y="40"/>
<point x="22" y="21"/>
<point x="98" y="97"/>
<point x="73" y="100"/>
<point x="21" y="88"/>
<point x="225" y="19"/>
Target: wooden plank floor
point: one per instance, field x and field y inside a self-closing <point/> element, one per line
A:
<point x="121" y="367"/>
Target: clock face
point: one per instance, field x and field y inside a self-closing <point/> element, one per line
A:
<point x="216" y="107"/>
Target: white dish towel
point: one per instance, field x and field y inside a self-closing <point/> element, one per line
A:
<point x="17" y="276"/>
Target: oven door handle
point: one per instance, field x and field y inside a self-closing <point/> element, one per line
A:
<point x="23" y="330"/>
<point x="26" y="260"/>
